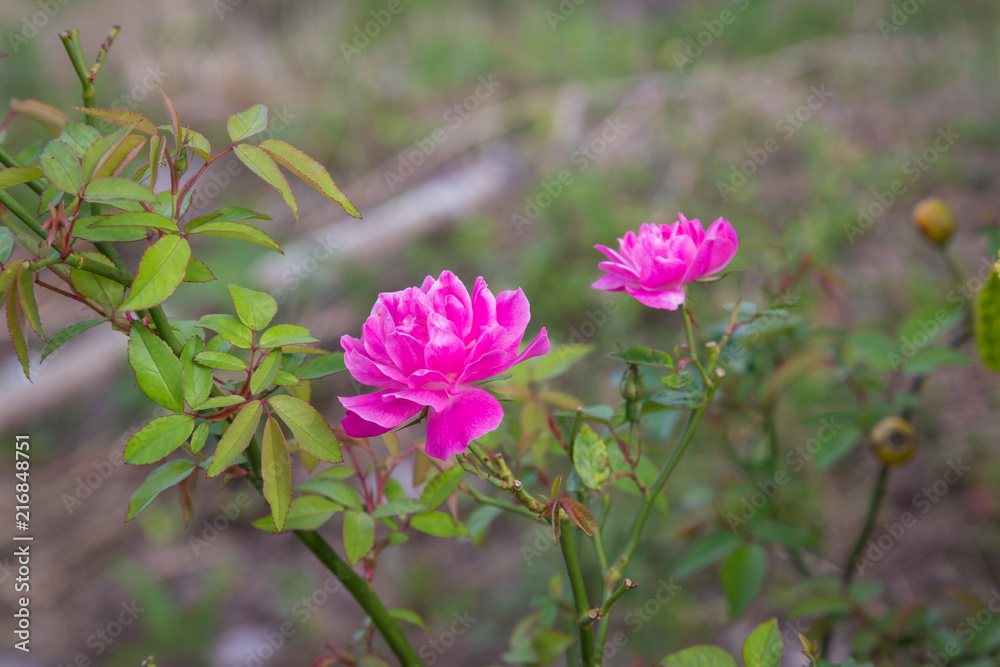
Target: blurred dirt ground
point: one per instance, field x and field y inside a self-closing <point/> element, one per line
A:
<point x="217" y="592"/>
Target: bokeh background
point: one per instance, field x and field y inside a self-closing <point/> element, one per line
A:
<point x="504" y="139"/>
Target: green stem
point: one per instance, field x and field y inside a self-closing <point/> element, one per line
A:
<point x="71" y="41"/>
<point x="692" y="348"/>
<point x="878" y="495"/>
<point x="507" y="507"/>
<point x="164" y="330"/>
<point x="360" y="589"/>
<point x="20" y="213"/>
<point x="579" y="592"/>
<point x="614" y="576"/>
<point x="8" y="161"/>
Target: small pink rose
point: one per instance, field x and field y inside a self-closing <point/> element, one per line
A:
<point x="425" y="346"/>
<point x="655" y="264"/>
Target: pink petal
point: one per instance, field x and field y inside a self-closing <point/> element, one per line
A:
<point x="450" y="298"/>
<point x="662" y="272"/>
<point x="536" y="348"/>
<point x="484" y="308"/>
<point x="367" y="371"/>
<point x="445" y="352"/>
<point x="374" y="414"/>
<point x="610" y="283"/>
<point x="405" y="351"/>
<point x="437" y="399"/>
<point x="472" y="414"/>
<point x="513" y="314"/>
<point x="712" y="256"/>
<point x="667" y="299"/>
<point x="621" y="270"/>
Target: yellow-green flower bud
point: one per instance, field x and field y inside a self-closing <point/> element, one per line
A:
<point x="935" y="219"/>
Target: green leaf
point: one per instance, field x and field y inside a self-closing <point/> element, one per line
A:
<point x="276" y="470"/>
<point x="700" y="656"/>
<point x="287" y="379"/>
<point x="238" y="231"/>
<point x="223" y="215"/>
<point x="198" y="272"/>
<point x="398" y="508"/>
<point x="16" y="175"/>
<point x="311" y="431"/>
<point x="26" y="294"/>
<point x="683" y="399"/>
<point x="839" y="445"/>
<point x="987" y="322"/>
<point x="247" y="123"/>
<point x="286" y="334"/>
<point x="137" y="219"/>
<point x="872" y="348"/>
<point x="102" y="153"/>
<point x="743" y="574"/>
<point x="14" y="331"/>
<point x="264" y="374"/>
<point x="6" y="244"/>
<point x="112" y="188"/>
<point x="121" y="117"/>
<point x="441" y="487"/>
<point x="46" y="115"/>
<point x="216" y="402"/>
<point x="408" y="616"/>
<point x="167" y="475"/>
<point x="261" y="163"/>
<point x="337" y="491"/>
<point x="559" y="360"/>
<point x="95" y="287"/>
<point x="255" y="309"/>
<point x="221" y="360"/>
<point x="644" y="356"/>
<point x="306" y="513"/>
<point x="321" y="366"/>
<point x="784" y="533"/>
<point x="61" y="166"/>
<point x="68" y="333"/>
<point x="199" y="437"/>
<point x="764" y="646"/>
<point x="236" y="438"/>
<point x="359" y="535"/>
<point x="158" y="439"/>
<point x="89" y="229"/>
<point x="79" y="136"/>
<point x="707" y="550"/>
<point x="590" y="458"/>
<point x="197" y="378"/>
<point x="230" y="328"/>
<point x="933" y="358"/>
<point x="438" y="524"/>
<point x="157" y="370"/>
<point x="309" y="170"/>
<point x="161" y="271"/>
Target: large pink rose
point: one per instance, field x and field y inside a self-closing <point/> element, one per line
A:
<point x="654" y="265"/>
<point x="425" y="347"/>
